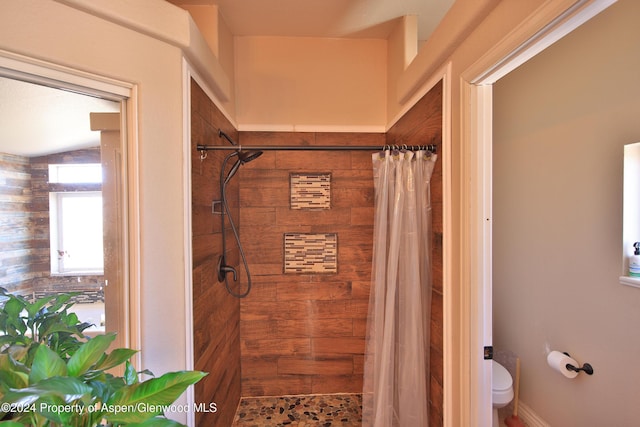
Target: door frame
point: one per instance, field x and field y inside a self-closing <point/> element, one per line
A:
<point x="526" y="41"/>
<point x="33" y="70"/>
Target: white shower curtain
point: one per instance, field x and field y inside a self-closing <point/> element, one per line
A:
<point x="395" y="392"/>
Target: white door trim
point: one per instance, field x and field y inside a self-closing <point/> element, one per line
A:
<point x="188" y="233"/>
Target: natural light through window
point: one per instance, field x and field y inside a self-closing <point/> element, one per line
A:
<point x="81" y="173"/>
<point x="631" y="210"/>
<point x="76" y="221"/>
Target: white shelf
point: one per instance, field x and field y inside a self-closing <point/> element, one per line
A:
<point x="630" y="281"/>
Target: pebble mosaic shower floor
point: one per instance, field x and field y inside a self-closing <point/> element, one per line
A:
<point x="326" y="410"/>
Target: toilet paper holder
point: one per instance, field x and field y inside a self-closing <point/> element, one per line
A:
<point x="586" y="368"/>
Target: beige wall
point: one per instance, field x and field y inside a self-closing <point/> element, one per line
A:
<point x="285" y="83"/>
<point x="561" y="122"/>
<point x="402" y="46"/>
<point x="220" y="41"/>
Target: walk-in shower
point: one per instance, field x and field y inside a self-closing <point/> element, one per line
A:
<point x="223" y="267"/>
<point x="305" y="308"/>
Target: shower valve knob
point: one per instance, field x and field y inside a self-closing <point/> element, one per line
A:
<point x="223" y="269"/>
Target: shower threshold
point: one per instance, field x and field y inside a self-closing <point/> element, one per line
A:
<point x="317" y="410"/>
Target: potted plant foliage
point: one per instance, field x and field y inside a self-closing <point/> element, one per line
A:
<point x="52" y="375"/>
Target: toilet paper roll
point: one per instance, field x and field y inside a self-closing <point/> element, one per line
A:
<point x="559" y="361"/>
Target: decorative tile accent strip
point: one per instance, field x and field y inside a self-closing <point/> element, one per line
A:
<point x="310" y="191"/>
<point x="310" y="253"/>
<point x="84" y="297"/>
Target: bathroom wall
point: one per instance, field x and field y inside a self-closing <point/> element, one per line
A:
<point x="304" y="333"/>
<point x="560" y="123"/>
<point x="423" y="125"/>
<point x="216" y="314"/>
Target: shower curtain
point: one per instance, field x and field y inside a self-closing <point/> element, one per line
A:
<point x="396" y="365"/>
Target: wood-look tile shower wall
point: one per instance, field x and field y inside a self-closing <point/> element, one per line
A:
<point x="216" y="314"/>
<point x="305" y="333"/>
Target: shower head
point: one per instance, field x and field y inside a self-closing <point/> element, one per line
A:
<point x="243" y="157"/>
<point x="247" y="156"/>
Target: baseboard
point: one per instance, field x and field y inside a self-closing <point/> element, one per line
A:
<point x="530" y="418"/>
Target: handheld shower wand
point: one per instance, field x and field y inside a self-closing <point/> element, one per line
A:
<point x="223" y="268"/>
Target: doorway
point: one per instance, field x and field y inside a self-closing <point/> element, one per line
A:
<point x="64" y="192"/>
<point x="476" y="112"/>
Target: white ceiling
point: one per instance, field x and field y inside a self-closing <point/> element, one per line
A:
<point x="36" y="120"/>
<point x="324" y="18"/>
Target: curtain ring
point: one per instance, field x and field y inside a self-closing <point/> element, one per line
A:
<point x="203" y="154"/>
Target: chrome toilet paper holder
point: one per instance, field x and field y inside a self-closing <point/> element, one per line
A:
<point x="586" y="368"/>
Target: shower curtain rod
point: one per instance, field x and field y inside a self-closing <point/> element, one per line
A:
<point x="429" y="147"/>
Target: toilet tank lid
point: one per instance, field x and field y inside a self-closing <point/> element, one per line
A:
<point x="501" y="379"/>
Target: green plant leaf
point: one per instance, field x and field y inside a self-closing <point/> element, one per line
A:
<point x="157" y="422"/>
<point x="115" y="358"/>
<point x="7" y="340"/>
<point x="14" y="379"/>
<point x="88" y="354"/>
<point x="10" y="424"/>
<point x="8" y="363"/>
<point x="53" y="327"/>
<point x="30" y="419"/>
<point x="66" y="388"/>
<point x="130" y="374"/>
<point x="149" y="397"/>
<point x="11" y="321"/>
<point x="13" y="374"/>
<point x="61" y="300"/>
<point x="46" y="364"/>
<point x="14" y="306"/>
<point x="18" y="352"/>
<point x="101" y="390"/>
<point x="55" y="409"/>
<point x="34" y="308"/>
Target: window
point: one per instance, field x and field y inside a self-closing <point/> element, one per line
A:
<point x="75" y="173"/>
<point x="631" y="210"/>
<point x="76" y="221"/>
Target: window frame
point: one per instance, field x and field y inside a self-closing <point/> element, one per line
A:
<point x="56" y="234"/>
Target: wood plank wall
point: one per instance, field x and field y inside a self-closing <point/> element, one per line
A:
<point x="216" y="314"/>
<point x="305" y="333"/>
<point x="24" y="224"/>
<point x="40" y="265"/>
<point x="15" y="223"/>
<point x="423" y="124"/>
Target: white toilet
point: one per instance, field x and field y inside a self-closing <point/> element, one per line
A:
<point x="501" y="390"/>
